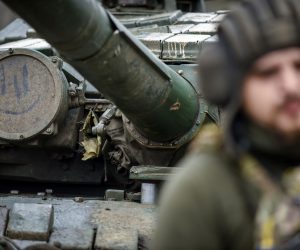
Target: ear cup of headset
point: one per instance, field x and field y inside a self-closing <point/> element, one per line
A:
<point x="214" y="75"/>
<point x="253" y="29"/>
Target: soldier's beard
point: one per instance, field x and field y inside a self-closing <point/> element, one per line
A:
<point x="286" y="119"/>
<point x="290" y="106"/>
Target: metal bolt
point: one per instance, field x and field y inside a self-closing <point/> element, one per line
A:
<point x="180" y="72"/>
<point x="54" y="60"/>
<point x="14" y="191"/>
<point x="134" y="171"/>
<point x="21" y="136"/>
<point x="49" y="191"/>
<point x="48" y="130"/>
<point x="10" y="51"/>
<point x="198" y="123"/>
<point x="72" y="93"/>
<point x="78" y="199"/>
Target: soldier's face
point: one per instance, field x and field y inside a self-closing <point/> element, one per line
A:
<point x="271" y="92"/>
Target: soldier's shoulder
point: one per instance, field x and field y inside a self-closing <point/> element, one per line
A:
<point x="207" y="161"/>
<point x="206" y="152"/>
<point x="209" y="139"/>
<point x="198" y="181"/>
<point x="205" y="165"/>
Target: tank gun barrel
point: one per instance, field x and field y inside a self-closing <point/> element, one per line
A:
<point x="161" y="104"/>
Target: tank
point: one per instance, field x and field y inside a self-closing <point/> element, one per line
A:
<point x="95" y="111"/>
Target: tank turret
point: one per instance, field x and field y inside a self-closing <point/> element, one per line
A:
<point x="141" y="111"/>
<point x="87" y="110"/>
<point x="162" y="105"/>
<point x="144" y="112"/>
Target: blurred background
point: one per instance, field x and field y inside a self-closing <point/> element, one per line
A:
<point x="6" y="15"/>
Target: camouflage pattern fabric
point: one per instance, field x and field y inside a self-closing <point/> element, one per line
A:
<point x="278" y="214"/>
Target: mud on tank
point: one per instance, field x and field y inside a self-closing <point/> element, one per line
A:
<point x="94" y="113"/>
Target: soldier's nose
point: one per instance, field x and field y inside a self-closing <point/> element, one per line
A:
<point x="290" y="79"/>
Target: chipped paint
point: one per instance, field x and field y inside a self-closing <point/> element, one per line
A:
<point x="175" y="106"/>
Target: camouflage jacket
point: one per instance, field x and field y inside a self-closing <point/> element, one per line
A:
<point x="208" y="205"/>
<point x="221" y="202"/>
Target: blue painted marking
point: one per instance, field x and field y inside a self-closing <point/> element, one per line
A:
<point x="25" y="80"/>
<point x="24" y="111"/>
<point x="20" y="90"/>
<point x="2" y="80"/>
<point x="17" y="89"/>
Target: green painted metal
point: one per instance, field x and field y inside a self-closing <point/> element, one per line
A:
<point x="160" y="103"/>
<point x="152" y="173"/>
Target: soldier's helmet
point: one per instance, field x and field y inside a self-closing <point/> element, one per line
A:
<point x="252" y="29"/>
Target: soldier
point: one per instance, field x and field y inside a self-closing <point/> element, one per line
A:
<point x="242" y="191"/>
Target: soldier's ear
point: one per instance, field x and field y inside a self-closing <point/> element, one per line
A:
<point x="214" y="75"/>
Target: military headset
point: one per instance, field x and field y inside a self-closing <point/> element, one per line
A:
<point x="252" y="29"/>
